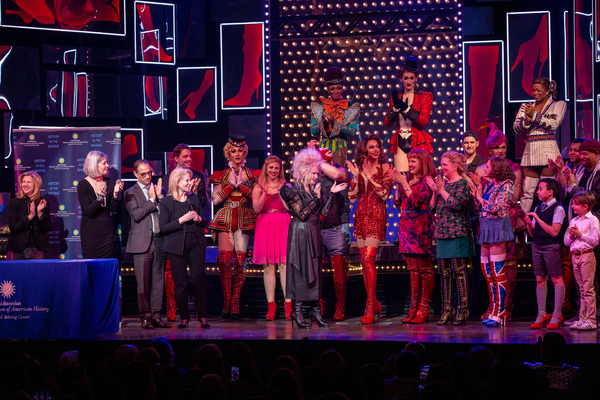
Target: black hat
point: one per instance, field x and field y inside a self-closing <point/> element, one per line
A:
<point x="332" y="76"/>
<point x="237" y="140"/>
<point x="411" y="64"/>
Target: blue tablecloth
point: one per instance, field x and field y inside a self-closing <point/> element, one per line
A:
<point x="59" y="299"/>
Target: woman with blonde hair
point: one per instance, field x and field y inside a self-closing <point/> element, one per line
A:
<point x="234" y="222"/>
<point x="455" y="243"/>
<point x="304" y="245"/>
<point x="29" y="220"/>
<point x="182" y="222"/>
<point x="270" y="236"/>
<point x="98" y="197"/>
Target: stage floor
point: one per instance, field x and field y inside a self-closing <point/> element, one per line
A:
<point x="389" y="329"/>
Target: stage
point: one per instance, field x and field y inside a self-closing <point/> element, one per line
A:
<point x="390" y="329"/>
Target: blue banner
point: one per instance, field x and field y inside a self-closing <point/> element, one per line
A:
<point x="58" y="154"/>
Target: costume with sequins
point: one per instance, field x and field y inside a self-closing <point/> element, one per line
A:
<point x="371" y="215"/>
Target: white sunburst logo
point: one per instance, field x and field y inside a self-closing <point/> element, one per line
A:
<point x="7" y="289"/>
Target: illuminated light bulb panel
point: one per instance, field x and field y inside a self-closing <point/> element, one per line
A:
<point x="369" y="41"/>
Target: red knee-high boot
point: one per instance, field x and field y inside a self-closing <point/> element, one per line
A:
<point x="415" y="288"/>
<point x="340" y="280"/>
<point x="238" y="282"/>
<point x="426" y="278"/>
<point x="224" y="262"/>
<point x="373" y="306"/>
<point x="170" y="292"/>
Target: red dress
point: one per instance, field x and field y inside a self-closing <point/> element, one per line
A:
<point x="237" y="212"/>
<point x="418" y="114"/>
<point x="370" y="219"/>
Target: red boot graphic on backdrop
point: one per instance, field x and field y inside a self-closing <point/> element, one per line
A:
<point x="251" y="77"/>
<point x="196" y="97"/>
<point x="149" y="41"/>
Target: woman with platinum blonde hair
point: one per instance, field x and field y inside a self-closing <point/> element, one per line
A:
<point x="98" y="197"/>
<point x="304" y="243"/>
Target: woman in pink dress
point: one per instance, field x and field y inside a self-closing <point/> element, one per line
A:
<point x="271" y="232"/>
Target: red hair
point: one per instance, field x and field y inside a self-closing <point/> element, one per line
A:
<point x="426" y="164"/>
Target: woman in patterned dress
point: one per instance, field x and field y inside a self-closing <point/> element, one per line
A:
<point x="495" y="230"/>
<point x="497" y="144"/>
<point x="371" y="186"/>
<point x="538" y="122"/>
<point x="234" y="222"/>
<point x="455" y="244"/>
<point x="416" y="230"/>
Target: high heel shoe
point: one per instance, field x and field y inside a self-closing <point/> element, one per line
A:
<point x="194" y="98"/>
<point x="206" y="325"/>
<point x="251" y="75"/>
<point x="461" y="317"/>
<point x="494" y="323"/>
<point x="288" y="310"/>
<point x="271" y="308"/>
<point x="183" y="324"/>
<point x="445" y="318"/>
<point x="315" y="313"/>
<point x="545" y="319"/>
<point x="297" y="316"/>
<point x="557" y="324"/>
<point x="412" y="313"/>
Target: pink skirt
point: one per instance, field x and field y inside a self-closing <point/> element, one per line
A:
<point x="270" y="238"/>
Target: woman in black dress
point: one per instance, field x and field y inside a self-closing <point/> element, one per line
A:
<point x="182" y="222"/>
<point x="303" y="281"/>
<point x="28" y="220"/>
<point x="98" y="196"/>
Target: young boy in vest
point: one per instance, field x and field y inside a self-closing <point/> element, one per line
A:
<point x="544" y="225"/>
<point x="582" y="236"/>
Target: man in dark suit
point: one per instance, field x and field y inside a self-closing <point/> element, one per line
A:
<point x="145" y="243"/>
<point x="183" y="158"/>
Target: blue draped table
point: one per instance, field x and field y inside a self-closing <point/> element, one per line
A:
<point x="59" y="299"/>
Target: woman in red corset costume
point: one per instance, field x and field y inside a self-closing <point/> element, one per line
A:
<point x="234" y="221"/>
<point x="410" y="110"/>
<point x="371" y="186"/>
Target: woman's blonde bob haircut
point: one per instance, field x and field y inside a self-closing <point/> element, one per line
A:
<point x="176" y="176"/>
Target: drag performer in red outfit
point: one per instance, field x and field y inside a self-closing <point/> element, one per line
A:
<point x="371" y="186"/>
<point x="416" y="230"/>
<point x="410" y="110"/>
<point x="234" y="221"/>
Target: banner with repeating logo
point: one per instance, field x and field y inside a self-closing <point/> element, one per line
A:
<point x="58" y="154"/>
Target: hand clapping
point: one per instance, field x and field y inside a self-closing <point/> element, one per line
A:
<point x="338" y="187"/>
<point x="527" y="109"/>
<point x="398" y="177"/>
<point x="118" y="187"/>
<point x="352" y="168"/>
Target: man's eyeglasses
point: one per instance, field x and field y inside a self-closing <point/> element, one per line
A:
<point x="145" y="174"/>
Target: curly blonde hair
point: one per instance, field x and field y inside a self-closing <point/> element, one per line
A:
<point x="304" y="162"/>
<point x="229" y="146"/>
<point x="458" y="159"/>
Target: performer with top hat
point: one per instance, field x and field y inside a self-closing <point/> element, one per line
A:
<point x="410" y="110"/>
<point x="234" y="222"/>
<point x="334" y="119"/>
